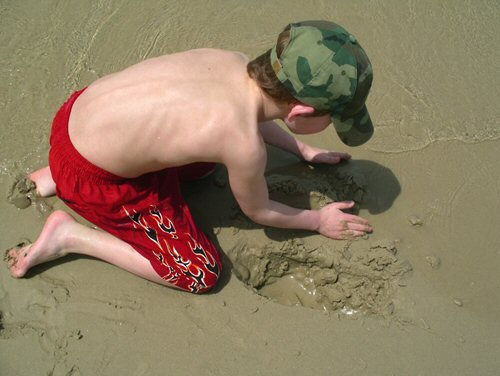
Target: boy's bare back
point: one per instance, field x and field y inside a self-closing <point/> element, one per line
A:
<point x="193" y="106"/>
<point x="197" y="106"/>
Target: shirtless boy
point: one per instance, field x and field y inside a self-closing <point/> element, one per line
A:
<point x="120" y="147"/>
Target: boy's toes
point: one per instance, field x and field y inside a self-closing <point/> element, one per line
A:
<point x="17" y="272"/>
<point x="11" y="255"/>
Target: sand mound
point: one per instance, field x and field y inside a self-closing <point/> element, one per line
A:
<point x="349" y="276"/>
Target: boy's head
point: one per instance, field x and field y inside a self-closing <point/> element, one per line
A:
<point x="320" y="64"/>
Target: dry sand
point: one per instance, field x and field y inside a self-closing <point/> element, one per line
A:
<point x="417" y="297"/>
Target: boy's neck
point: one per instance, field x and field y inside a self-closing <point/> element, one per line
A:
<point x="267" y="108"/>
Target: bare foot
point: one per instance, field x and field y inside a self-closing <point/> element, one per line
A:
<point x="50" y="245"/>
<point x="45" y="185"/>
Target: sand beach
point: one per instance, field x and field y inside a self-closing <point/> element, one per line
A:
<point x="419" y="296"/>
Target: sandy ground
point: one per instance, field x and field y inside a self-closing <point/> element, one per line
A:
<point x="417" y="297"/>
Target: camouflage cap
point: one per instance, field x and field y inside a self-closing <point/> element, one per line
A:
<point x="324" y="66"/>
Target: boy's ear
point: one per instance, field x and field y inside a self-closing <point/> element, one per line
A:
<point x="297" y="109"/>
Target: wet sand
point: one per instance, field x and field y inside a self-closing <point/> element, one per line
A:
<point x="417" y="297"/>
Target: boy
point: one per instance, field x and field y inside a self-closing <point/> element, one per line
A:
<point x="120" y="147"/>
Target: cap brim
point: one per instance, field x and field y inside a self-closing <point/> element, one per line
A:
<point x="355" y="129"/>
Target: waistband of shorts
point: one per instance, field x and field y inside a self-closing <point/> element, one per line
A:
<point x="65" y="153"/>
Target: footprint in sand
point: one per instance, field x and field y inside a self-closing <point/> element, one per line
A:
<point x="42" y="301"/>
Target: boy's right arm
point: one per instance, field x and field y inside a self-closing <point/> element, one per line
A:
<point x="246" y="177"/>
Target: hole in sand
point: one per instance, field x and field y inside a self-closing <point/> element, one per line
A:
<point x="358" y="276"/>
<point x="345" y="276"/>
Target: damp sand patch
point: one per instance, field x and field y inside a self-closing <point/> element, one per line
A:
<point x="306" y="187"/>
<point x="22" y="194"/>
<point x="314" y="188"/>
<point x="353" y="276"/>
<point x="347" y="276"/>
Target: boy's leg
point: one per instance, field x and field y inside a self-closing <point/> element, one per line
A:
<point x="61" y="235"/>
<point x="44" y="183"/>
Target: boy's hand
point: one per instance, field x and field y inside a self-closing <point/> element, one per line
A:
<point x="336" y="224"/>
<point x="316" y="155"/>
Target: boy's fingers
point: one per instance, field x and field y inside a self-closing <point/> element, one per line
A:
<point x="344" y="155"/>
<point x="344" y="204"/>
<point x="326" y="158"/>
<point x="360" y="227"/>
<point x="349" y="234"/>
<point x="356" y="219"/>
<point x="337" y="157"/>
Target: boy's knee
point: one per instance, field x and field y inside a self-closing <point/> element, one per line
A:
<point x="197" y="266"/>
<point x="210" y="282"/>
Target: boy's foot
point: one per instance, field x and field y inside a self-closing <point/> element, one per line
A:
<point x="44" y="183"/>
<point x="49" y="245"/>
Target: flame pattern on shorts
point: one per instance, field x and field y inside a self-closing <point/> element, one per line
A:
<point x="187" y="269"/>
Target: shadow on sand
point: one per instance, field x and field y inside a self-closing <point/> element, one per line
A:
<point x="372" y="186"/>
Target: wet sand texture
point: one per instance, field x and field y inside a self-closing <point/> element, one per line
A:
<point x="351" y="276"/>
<point x="356" y="277"/>
<point x="419" y="296"/>
<point x="22" y="192"/>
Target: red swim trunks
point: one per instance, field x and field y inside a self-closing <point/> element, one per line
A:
<point x="147" y="212"/>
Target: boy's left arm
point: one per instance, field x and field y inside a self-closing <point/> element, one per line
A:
<point x="274" y="135"/>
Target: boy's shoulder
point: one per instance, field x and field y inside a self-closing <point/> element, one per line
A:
<point x="212" y="54"/>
